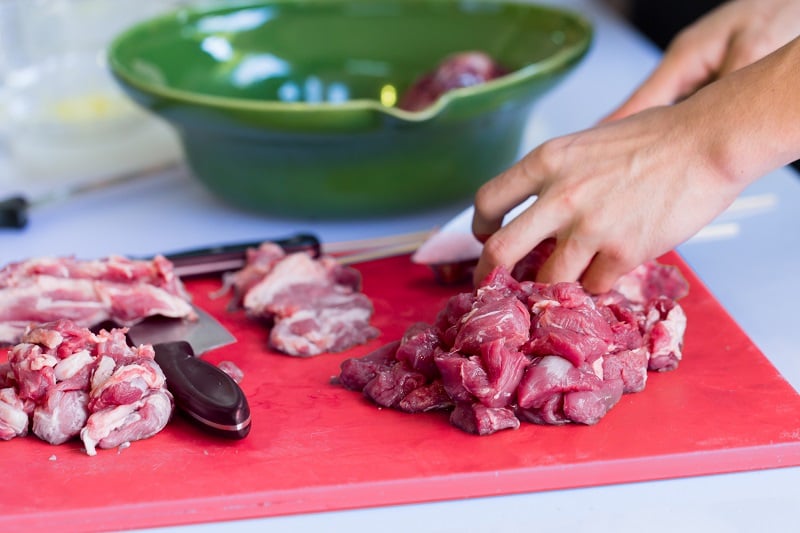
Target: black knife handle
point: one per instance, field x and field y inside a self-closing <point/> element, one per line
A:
<point x="14" y="212"/>
<point x="217" y="259"/>
<point x="204" y="392"/>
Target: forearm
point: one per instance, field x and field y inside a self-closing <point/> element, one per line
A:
<point x="752" y="117"/>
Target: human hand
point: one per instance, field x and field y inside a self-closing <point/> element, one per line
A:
<point x="734" y="35"/>
<point x="612" y="196"/>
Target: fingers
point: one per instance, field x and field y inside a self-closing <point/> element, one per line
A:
<point x="603" y="272"/>
<point x="513" y="241"/>
<point x="498" y="196"/>
<point x="680" y="73"/>
<point x="569" y="259"/>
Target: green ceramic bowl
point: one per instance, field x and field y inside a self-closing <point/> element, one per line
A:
<point x="287" y="106"/>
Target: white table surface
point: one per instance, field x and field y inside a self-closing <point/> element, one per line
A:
<point x="748" y="258"/>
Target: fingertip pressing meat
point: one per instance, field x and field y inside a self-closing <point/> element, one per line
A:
<point x="314" y="305"/>
<point x="516" y="351"/>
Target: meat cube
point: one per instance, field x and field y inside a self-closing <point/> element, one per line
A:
<point x="357" y="372"/>
<point x="417" y="349"/>
<point x="13" y="418"/>
<point x="391" y="385"/>
<point x="505" y="318"/>
<point x="629" y="366"/>
<point x="588" y="407"/>
<point x="478" y="419"/>
<point x="426" y="398"/>
<point x="61" y="415"/>
<point x="666" y="325"/>
<point x="550" y="375"/>
<point x="314" y="305"/>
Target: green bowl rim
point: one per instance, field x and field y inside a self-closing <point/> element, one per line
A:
<point x="519" y="76"/>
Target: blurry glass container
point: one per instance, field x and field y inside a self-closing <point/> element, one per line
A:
<point x="61" y="113"/>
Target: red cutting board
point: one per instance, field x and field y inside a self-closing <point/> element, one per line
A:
<point x="317" y="447"/>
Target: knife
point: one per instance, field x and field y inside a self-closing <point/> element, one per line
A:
<point x="453" y="251"/>
<point x="202" y="391"/>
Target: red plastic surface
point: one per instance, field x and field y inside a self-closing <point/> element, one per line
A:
<point x="317" y="447"/>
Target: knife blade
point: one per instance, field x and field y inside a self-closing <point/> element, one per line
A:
<point x="452" y="251"/>
<point x="209" y="396"/>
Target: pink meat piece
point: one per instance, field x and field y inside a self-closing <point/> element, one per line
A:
<point x="462" y="69"/>
<point x="258" y="262"/>
<point x="579" y="334"/>
<point x="356" y="372"/>
<point x="578" y="355"/>
<point x="61" y="415"/>
<point x="13" y="417"/>
<point x="478" y="419"/>
<point x="629" y="366"/>
<point x="325" y="318"/>
<point x="417" y="349"/>
<point x="391" y="385"/>
<point x="64" y="375"/>
<point x="491" y="378"/>
<point x="504" y="318"/>
<point x="588" y="407"/>
<point x="125" y="291"/>
<point x="550" y="413"/>
<point x="127" y="384"/>
<point x="314" y="305"/>
<point x="128" y="422"/>
<point x="430" y="397"/>
<point x="457" y="372"/>
<point x="652" y="280"/>
<point x="552" y="374"/>
<point x="448" y="319"/>
<point x="666" y="325"/>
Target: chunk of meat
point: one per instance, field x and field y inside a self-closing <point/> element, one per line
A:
<point x="113" y="426"/>
<point x="516" y="350"/>
<point x="13" y="417"/>
<point x="67" y="378"/>
<point x="462" y="69"/>
<point x="314" y="305"/>
<point x="87" y="293"/>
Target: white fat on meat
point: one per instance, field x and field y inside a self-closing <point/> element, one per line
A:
<point x="103" y="371"/>
<point x="61" y="416"/>
<point x="13" y="418"/>
<point x="134" y="421"/>
<point x="72" y="364"/>
<point x="299" y="268"/>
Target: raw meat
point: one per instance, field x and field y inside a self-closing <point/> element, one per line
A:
<point x="514" y="350"/>
<point x="70" y="382"/>
<point x="463" y="69"/>
<point x="87" y="293"/>
<point x="313" y="305"/>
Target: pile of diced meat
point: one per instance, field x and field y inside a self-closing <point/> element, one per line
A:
<point x="462" y="69"/>
<point x="87" y="292"/>
<point x="313" y="305"/>
<point x="62" y="381"/>
<point x="513" y="351"/>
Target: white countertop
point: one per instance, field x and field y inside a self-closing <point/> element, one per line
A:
<point x="748" y="258"/>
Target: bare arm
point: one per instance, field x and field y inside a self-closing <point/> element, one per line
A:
<point x="631" y="189"/>
<point x="733" y="36"/>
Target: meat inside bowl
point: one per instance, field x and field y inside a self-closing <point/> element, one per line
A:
<point x="291" y="107"/>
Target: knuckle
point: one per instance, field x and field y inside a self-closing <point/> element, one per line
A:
<point x="496" y="250"/>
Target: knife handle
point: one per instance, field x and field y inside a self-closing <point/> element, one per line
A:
<point x="14" y="212"/>
<point x="217" y="259"/>
<point x="204" y="392"/>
